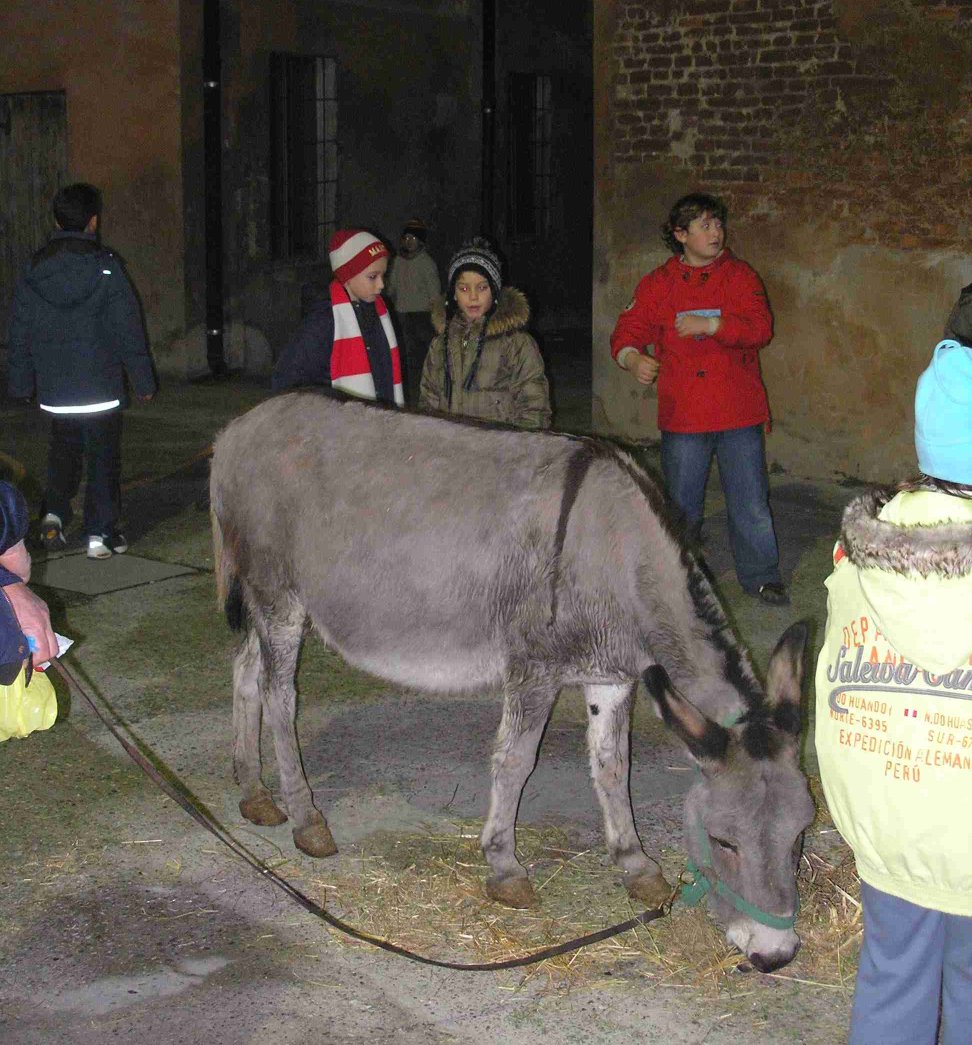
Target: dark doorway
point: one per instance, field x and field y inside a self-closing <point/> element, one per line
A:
<point x="544" y="174"/>
<point x="33" y="166"/>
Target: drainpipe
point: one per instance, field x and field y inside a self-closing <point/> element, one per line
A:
<point x="489" y="114"/>
<point x="213" y="165"/>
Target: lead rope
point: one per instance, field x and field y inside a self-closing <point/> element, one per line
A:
<point x="177" y="792"/>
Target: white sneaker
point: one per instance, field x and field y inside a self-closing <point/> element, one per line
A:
<point x="97" y="549"/>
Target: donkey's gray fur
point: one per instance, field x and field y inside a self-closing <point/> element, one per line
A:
<point x="452" y="556"/>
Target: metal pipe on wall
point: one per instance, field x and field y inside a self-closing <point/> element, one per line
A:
<point x="213" y="164"/>
<point x="489" y="115"/>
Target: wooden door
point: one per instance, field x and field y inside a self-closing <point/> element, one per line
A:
<point x="33" y="166"/>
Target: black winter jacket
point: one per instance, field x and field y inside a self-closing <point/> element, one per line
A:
<point x="306" y="360"/>
<point x="76" y="327"/>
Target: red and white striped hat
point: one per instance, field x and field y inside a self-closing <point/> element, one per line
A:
<point x="351" y="251"/>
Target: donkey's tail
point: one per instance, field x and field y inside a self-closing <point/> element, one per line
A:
<point x="229" y="590"/>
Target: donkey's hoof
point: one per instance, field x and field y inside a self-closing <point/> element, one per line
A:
<point x="262" y="810"/>
<point x="511" y="892"/>
<point x="648" y="888"/>
<point x="315" y="840"/>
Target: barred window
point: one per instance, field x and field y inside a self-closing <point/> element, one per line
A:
<point x="303" y="154"/>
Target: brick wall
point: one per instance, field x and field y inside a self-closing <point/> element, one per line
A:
<point x="851" y="110"/>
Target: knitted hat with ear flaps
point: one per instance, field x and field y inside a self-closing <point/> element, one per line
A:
<point x="476" y="255"/>
<point x="351" y="251"/>
<point x="943" y="414"/>
<point x="13" y="516"/>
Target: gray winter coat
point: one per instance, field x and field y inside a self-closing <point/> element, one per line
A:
<point x="509" y="384"/>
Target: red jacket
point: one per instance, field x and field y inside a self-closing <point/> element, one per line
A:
<point x="705" y="384"/>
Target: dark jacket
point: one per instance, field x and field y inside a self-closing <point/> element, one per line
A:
<point x="76" y="327"/>
<point x="14" y="649"/>
<point x="307" y="358"/>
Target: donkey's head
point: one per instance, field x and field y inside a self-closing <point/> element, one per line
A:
<point x="746" y="813"/>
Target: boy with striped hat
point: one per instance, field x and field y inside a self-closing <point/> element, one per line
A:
<point x="347" y="341"/>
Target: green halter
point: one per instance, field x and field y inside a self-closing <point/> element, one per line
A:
<point x="701" y="883"/>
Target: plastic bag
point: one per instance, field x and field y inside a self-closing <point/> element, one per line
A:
<point x="24" y="708"/>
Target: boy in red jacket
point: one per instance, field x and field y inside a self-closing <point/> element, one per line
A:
<point x="705" y="313"/>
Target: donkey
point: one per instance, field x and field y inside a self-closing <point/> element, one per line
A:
<point x="454" y="556"/>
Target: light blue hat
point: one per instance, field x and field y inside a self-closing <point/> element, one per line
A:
<point x="943" y="414"/>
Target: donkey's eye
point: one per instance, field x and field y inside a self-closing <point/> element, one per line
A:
<point x="723" y="844"/>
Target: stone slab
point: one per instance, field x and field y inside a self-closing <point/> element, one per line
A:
<point x="76" y="572"/>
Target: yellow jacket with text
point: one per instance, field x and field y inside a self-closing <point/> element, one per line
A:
<point x="894" y="695"/>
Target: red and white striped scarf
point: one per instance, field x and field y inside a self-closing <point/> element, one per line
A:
<point x="350" y="369"/>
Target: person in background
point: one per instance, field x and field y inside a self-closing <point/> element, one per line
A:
<point x="482" y="362"/>
<point x="894" y="725"/>
<point x="705" y="313"/>
<point x="75" y="334"/>
<point x="413" y="287"/>
<point x="347" y="341"/>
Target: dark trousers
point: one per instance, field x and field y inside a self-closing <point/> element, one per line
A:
<point x="417" y="333"/>
<point x="96" y="440"/>
<point x="686" y="458"/>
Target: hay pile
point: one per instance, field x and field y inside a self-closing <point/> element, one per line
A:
<point x="425" y="892"/>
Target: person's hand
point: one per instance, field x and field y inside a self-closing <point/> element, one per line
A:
<point x="146" y="398"/>
<point x="644" y="368"/>
<point x="17" y="560"/>
<point x="696" y="326"/>
<point x="34" y="619"/>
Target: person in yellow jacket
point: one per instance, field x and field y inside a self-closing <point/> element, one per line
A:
<point x="894" y="723"/>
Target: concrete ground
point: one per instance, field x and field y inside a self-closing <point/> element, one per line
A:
<point x="124" y="921"/>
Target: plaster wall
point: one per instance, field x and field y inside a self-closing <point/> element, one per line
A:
<point x="119" y="65"/>
<point x="849" y="203"/>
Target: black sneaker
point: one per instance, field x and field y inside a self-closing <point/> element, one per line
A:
<point x="771" y="594"/>
<point x="52" y="533"/>
<point x="117" y="542"/>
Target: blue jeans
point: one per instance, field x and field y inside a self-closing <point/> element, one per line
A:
<point x="685" y="459"/>
<point x="912" y="960"/>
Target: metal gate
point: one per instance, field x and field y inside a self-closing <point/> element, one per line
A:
<point x="33" y="166"/>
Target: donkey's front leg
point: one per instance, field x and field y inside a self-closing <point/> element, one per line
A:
<point x="525" y="713"/>
<point x="608" y="740"/>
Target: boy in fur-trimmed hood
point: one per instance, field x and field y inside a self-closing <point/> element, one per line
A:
<point x="894" y="722"/>
<point x="482" y="362"/>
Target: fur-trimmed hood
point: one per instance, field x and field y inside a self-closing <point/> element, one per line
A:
<point x="870" y="541"/>
<point x="912" y="552"/>
<point x="512" y="313"/>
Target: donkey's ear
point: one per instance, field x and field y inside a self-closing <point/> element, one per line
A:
<point x="706" y="740"/>
<point x="784" y="679"/>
